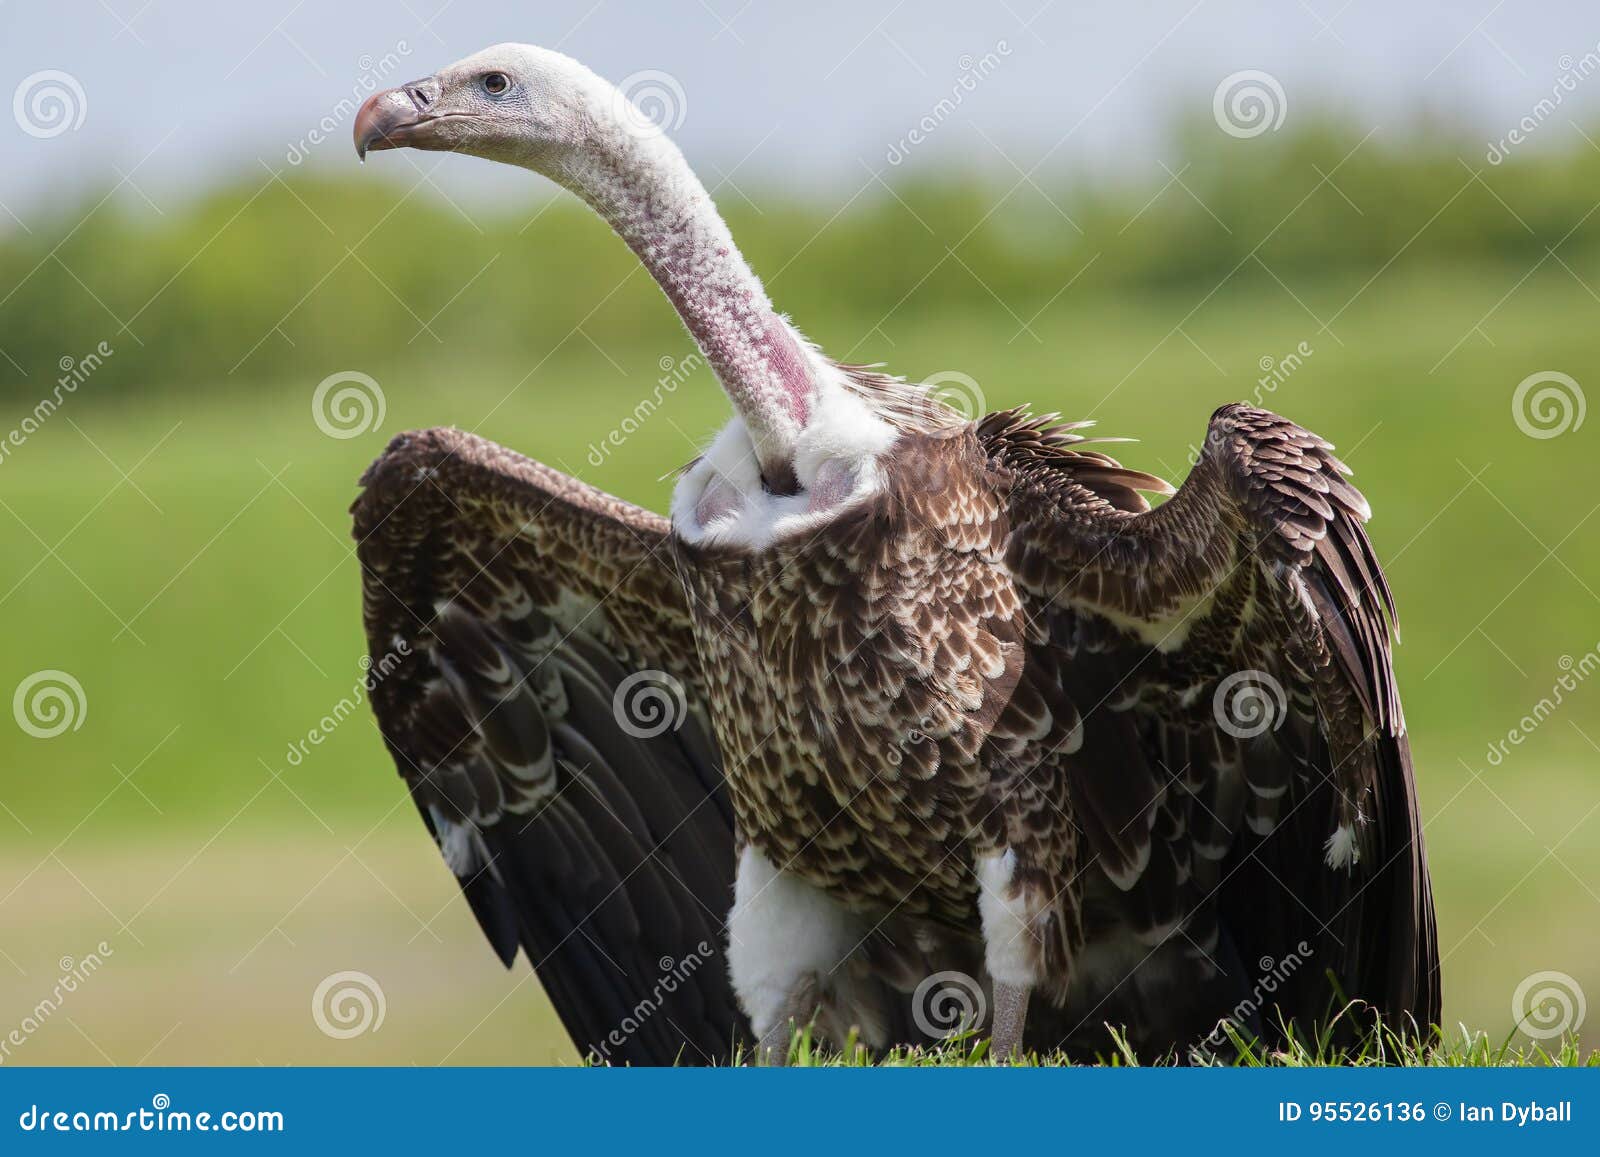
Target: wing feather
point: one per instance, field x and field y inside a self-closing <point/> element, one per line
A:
<point x="510" y="611"/>
<point x="1256" y="573"/>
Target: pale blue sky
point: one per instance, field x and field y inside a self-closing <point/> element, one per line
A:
<point x="182" y="90"/>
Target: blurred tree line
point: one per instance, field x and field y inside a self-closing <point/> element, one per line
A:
<point x="296" y="277"/>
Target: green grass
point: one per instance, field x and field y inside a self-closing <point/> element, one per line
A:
<point x="1461" y="1049"/>
<point x="209" y="605"/>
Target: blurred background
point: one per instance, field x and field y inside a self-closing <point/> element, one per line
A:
<point x="1378" y="219"/>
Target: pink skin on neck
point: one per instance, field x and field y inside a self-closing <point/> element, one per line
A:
<point x="751" y="349"/>
<point x="648" y="194"/>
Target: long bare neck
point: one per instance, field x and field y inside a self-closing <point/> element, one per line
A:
<point x="642" y="185"/>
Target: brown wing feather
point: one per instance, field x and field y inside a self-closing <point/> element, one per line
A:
<point x="535" y="678"/>
<point x="1257" y="575"/>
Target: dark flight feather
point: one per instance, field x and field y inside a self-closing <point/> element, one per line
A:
<point x="507" y="605"/>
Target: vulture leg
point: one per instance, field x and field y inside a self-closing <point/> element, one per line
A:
<point x="1010" y="1017"/>
<point x="796" y="1012"/>
<point x="773" y="1051"/>
<point x="1011" y="949"/>
<point x="788" y="943"/>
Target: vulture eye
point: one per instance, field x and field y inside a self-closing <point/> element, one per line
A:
<point x="496" y="83"/>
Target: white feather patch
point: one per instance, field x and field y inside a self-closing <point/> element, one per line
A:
<point x="781" y="929"/>
<point x="1167" y="633"/>
<point x="458" y="843"/>
<point x="838" y="448"/>
<point x="1342" y="848"/>
<point x="1008" y="948"/>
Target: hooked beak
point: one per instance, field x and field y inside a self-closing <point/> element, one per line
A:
<point x="392" y="118"/>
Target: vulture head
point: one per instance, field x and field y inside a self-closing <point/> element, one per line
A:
<point x="512" y="103"/>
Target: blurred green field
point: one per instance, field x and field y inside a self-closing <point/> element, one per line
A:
<point x="188" y="563"/>
<point x="175" y="538"/>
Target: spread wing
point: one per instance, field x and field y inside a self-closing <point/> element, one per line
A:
<point x="534" y="677"/>
<point x="1244" y="772"/>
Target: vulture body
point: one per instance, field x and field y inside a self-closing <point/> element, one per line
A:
<point x="898" y="712"/>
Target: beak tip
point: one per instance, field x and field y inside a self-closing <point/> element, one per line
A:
<point x="375" y="120"/>
<point x="387" y="119"/>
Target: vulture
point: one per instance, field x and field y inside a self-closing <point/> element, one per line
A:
<point x="899" y="723"/>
